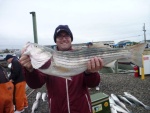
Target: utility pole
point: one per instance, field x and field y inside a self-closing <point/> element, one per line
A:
<point x="34" y="27"/>
<point x="144" y="33"/>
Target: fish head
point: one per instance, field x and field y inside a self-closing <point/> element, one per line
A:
<point x="126" y="93"/>
<point x="32" y="49"/>
<point x="38" y="54"/>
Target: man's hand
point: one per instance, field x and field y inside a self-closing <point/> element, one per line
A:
<point x="25" y="61"/>
<point x="94" y="65"/>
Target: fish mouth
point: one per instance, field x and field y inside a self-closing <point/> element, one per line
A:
<point x="25" y="48"/>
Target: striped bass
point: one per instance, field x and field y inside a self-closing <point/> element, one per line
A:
<point x="38" y="95"/>
<point x="118" y="102"/>
<point x="126" y="100"/>
<point x="135" y="100"/>
<point x="44" y="96"/>
<point x="114" y="107"/>
<point x="70" y="63"/>
<point x="35" y="106"/>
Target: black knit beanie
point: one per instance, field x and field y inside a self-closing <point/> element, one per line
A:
<point x="62" y="28"/>
<point x="8" y="57"/>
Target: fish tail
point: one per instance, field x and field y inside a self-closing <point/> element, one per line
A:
<point x="136" y="54"/>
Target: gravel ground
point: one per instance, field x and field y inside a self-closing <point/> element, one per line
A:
<point x="120" y="83"/>
<point x="110" y="83"/>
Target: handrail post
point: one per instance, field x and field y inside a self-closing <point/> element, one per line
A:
<point x="34" y="27"/>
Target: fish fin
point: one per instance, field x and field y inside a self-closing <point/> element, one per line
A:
<point x="136" y="54"/>
<point x="110" y="64"/>
<point x="147" y="107"/>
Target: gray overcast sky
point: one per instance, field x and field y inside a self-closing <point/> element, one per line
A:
<point x="89" y="20"/>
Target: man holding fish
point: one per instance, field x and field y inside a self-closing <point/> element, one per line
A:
<point x="64" y="95"/>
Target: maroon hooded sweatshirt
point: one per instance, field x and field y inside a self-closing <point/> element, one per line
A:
<point x="65" y="96"/>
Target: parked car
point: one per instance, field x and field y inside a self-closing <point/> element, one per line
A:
<point x="2" y="56"/>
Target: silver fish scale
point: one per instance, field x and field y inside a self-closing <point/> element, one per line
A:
<point x="82" y="56"/>
<point x="88" y="52"/>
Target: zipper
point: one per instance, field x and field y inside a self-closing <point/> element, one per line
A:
<point x="67" y="96"/>
<point x="88" y="102"/>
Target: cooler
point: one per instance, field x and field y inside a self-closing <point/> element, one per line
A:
<point x="100" y="103"/>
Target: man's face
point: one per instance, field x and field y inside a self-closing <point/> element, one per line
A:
<point x="9" y="60"/>
<point x="63" y="41"/>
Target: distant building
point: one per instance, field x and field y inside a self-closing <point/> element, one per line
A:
<point x="123" y="43"/>
<point x="109" y="43"/>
